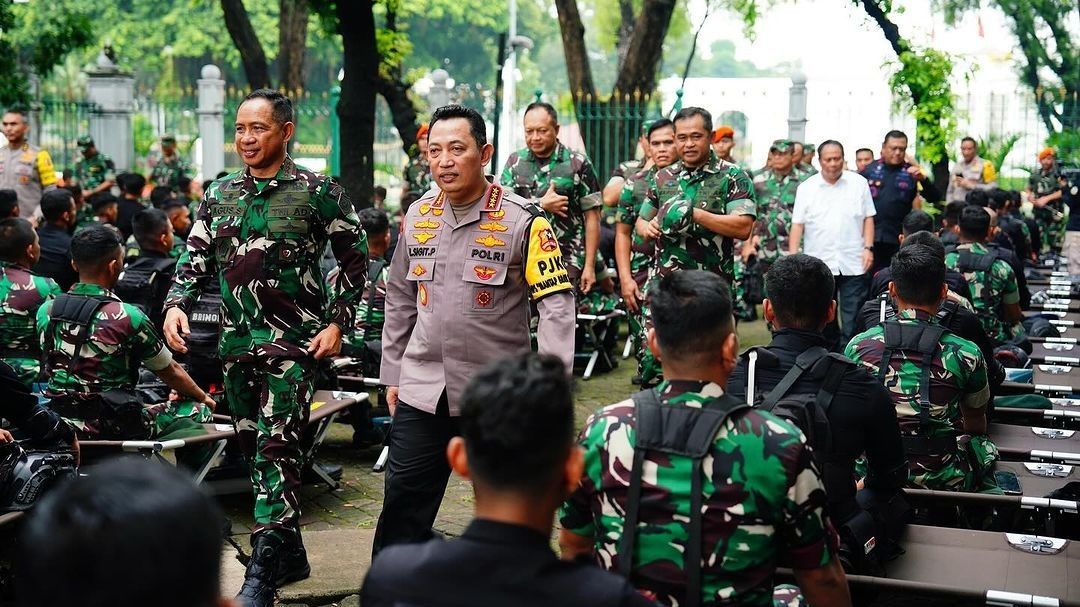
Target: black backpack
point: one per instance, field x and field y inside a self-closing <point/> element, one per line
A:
<point x="968" y="262"/>
<point x="144" y="284"/>
<point x="808" y="412"/>
<point x="687" y="432"/>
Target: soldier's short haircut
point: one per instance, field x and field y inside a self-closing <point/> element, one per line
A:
<point x="860" y="150"/>
<point x="95" y="245"/>
<point x="916" y="221"/>
<point x="800" y="289"/>
<point x="476" y="121"/>
<point x="999" y="199"/>
<point x="691" y="312"/>
<point x="547" y="107"/>
<point x="101" y="200"/>
<point x="9" y="201"/>
<point x="20" y="110"/>
<point x="971" y="139"/>
<point x="149" y="224"/>
<point x="374" y="221"/>
<point x="281" y="105"/>
<point x="918" y="271"/>
<point x="656" y="125"/>
<point x="16" y="234"/>
<point x="407" y="199"/>
<point x="136" y="533"/>
<point x="827" y="142"/>
<point x="131" y="183"/>
<point x="55" y="203"/>
<point x="977" y="198"/>
<point x="161" y="194"/>
<point x="925" y="239"/>
<point x="517" y="419"/>
<point x="894" y="134"/>
<point x="380" y="191"/>
<point x="952" y="212"/>
<point x="689" y="112"/>
<point x="974" y="223"/>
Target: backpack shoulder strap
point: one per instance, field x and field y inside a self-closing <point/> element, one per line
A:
<point x="805" y="361"/>
<point x="919" y="337"/>
<point x="373" y="277"/>
<point x="77" y="309"/>
<point x="682" y="431"/>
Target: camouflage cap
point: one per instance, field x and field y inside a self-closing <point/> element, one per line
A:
<point x="781" y="145"/>
<point x="809" y="147"/>
<point x="676" y="216"/>
<point x="85" y="141"/>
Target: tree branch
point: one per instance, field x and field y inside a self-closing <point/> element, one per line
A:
<point x="578" y="70"/>
<point x="638" y="74"/>
<point x="243" y="35"/>
<point x="892" y="33"/>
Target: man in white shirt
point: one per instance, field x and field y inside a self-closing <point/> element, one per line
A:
<point x="836" y="210"/>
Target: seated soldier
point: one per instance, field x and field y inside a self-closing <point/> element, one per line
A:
<point x="761" y="499"/>
<point x="949" y="220"/>
<point x="1006" y="252"/>
<point x="21" y="294"/>
<point x="106" y="208"/>
<point x="9" y="204"/>
<point x="365" y="340"/>
<point x="955" y="313"/>
<point x="918" y="221"/>
<point x="93" y="344"/>
<point x="180" y="218"/>
<point x="1001" y="203"/>
<point x="995" y="293"/>
<point x="145" y="279"/>
<point x="861" y="416"/>
<point x="937" y="380"/>
<point x="504" y="556"/>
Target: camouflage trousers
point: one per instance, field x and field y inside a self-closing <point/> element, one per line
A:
<point x="1051" y="228"/>
<point x="648" y="366"/>
<point x="164" y="421"/>
<point x="270" y="400"/>
<point x="742" y="307"/>
<point x="788" y="595"/>
<point x="970" y="469"/>
<point x="26" y="369"/>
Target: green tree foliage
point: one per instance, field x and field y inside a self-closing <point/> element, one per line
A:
<point x="33" y="40"/>
<point x="921" y="86"/>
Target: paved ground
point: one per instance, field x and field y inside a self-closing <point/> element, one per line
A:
<point x="340" y="522"/>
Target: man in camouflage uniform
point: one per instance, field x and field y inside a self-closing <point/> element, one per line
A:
<point x="698" y="207"/>
<point x="168" y="168"/>
<point x="21" y="294"/>
<point x="762" y="502"/>
<point x="634" y="256"/>
<point x="774" y="190"/>
<point x="806" y="162"/>
<point x="259" y="235"/>
<point x="417" y="175"/>
<point x="565" y="185"/>
<point x="84" y="364"/>
<point x="994" y="289"/>
<point x="94" y="172"/>
<point x="1044" y="191"/>
<point x="937" y="380"/>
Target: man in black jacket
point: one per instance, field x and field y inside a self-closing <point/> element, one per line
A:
<point x="58" y="208"/>
<point x="862" y="418"/>
<point x="916" y="221"/>
<point x="505" y="557"/>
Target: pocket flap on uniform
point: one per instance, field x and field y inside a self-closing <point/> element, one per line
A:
<point x="288" y="226"/>
<point x="421" y="270"/>
<point x="484" y="272"/>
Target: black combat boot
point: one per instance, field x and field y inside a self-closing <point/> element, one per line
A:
<point x="277" y="558"/>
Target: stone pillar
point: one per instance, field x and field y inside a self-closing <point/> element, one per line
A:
<point x="112" y="91"/>
<point x="439" y="95"/>
<point x="211" y="113"/>
<point x="797" y="107"/>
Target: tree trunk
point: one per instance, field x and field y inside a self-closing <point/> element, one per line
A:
<point x="578" y="70"/>
<point x="356" y="109"/>
<point x="888" y="28"/>
<point x="396" y="93"/>
<point x="626" y="31"/>
<point x="243" y="36"/>
<point x="292" y="44"/>
<point x="638" y="73"/>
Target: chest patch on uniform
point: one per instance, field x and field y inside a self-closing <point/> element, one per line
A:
<point x="423" y="237"/>
<point x="493" y="226"/>
<point x="422" y="294"/>
<point x="422" y="252"/>
<point x="484" y="298"/>
<point x="490" y="241"/>
<point x="487" y="254"/>
<point x="484" y="272"/>
<point x="496" y="215"/>
<point x="545" y="238"/>
<point x="427" y="224"/>
<point x="418" y="270"/>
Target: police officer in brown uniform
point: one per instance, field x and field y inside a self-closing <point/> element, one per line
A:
<point x="472" y="257"/>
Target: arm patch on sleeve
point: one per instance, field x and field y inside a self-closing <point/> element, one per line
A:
<point x="544" y="269"/>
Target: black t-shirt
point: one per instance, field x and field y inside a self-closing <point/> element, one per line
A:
<point x="956" y="281"/>
<point x="894" y="191"/>
<point x="125" y="212"/>
<point x="55" y="261"/>
<point x="862" y="419"/>
<point x="492" y="563"/>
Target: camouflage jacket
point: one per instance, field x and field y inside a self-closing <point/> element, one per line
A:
<point x="718" y="187"/>
<point x="635" y="187"/>
<point x="417" y="175"/>
<point x="957" y="377"/>
<point x="775" y="199"/>
<point x="574" y="177"/>
<point x="21" y="294"/>
<point x="763" y="503"/>
<point x="121" y="337"/>
<point x="168" y="171"/>
<point x="262" y="247"/>
<point x="990" y="290"/>
<point x="92" y="172"/>
<point x="1044" y="182"/>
